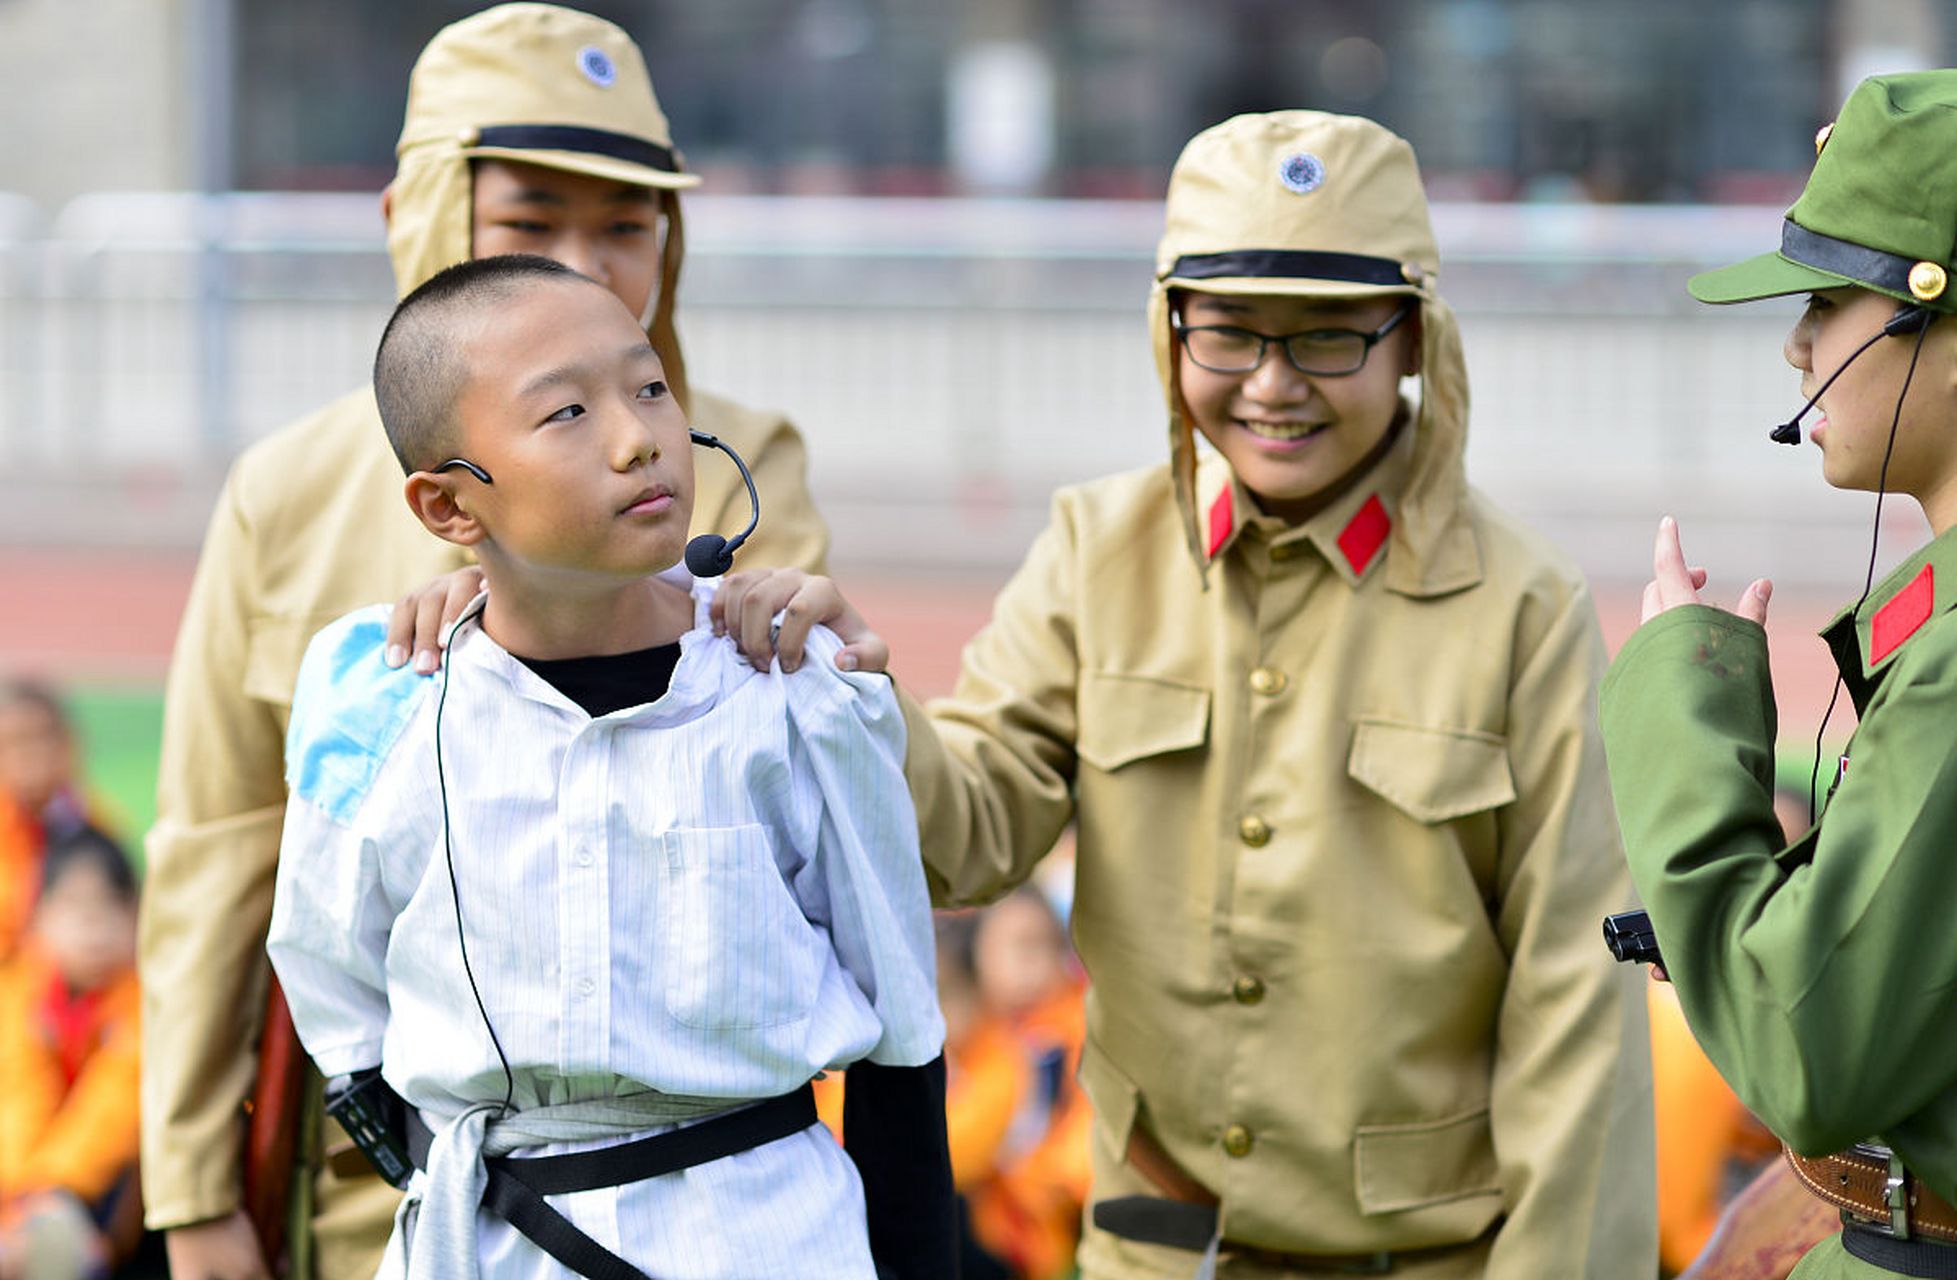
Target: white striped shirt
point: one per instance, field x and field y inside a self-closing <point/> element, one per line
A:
<point x="715" y="894"/>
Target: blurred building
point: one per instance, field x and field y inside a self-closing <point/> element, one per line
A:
<point x="1638" y="100"/>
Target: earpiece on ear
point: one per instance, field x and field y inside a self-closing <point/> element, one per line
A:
<point x="1909" y="318"/>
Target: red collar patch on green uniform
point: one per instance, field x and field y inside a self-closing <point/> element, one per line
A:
<point x="1223" y="518"/>
<point x="1898" y="620"/>
<point x="1365" y="534"/>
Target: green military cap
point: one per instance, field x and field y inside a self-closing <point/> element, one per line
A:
<point x="1880" y="208"/>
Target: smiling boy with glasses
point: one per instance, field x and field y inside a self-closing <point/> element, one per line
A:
<point x="1325" y="720"/>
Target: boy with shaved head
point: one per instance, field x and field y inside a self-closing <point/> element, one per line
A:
<point x="600" y="901"/>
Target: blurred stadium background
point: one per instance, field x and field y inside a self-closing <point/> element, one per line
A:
<point x="926" y="233"/>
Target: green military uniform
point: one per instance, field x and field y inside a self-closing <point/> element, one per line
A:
<point x="312" y="524"/>
<point x="1822" y="978"/>
<point x="1343" y="822"/>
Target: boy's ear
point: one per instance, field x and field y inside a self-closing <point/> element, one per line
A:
<point x="433" y="498"/>
<point x="387" y="202"/>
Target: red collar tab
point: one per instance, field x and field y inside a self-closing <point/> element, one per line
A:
<point x="1365" y="534"/>
<point x="1223" y="518"/>
<point x="1898" y="620"/>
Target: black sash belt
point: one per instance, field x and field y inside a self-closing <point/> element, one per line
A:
<point x="517" y="1185"/>
<point x="1922" y="1258"/>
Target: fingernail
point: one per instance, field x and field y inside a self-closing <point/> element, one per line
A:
<point x="788" y="664"/>
<point x="426" y="661"/>
<point x="846" y="662"/>
<point x="396" y="655"/>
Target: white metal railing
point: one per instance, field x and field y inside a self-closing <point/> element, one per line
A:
<point x="949" y="361"/>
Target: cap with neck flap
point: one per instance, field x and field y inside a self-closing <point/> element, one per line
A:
<point x="540" y="84"/>
<point x="1305" y="203"/>
<point x="1880" y="208"/>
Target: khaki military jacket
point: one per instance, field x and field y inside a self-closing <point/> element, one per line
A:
<point x="1344" y="840"/>
<point x="311" y="524"/>
<point x="1822" y="977"/>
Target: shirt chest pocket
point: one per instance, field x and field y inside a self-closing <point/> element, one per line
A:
<point x="739" y="954"/>
<point x="1431" y="775"/>
<point x="1125" y="718"/>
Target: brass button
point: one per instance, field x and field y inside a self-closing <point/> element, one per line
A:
<point x="468" y="136"/>
<point x="1255" y="831"/>
<point x="1266" y="681"/>
<point x="1236" y="1140"/>
<point x="1287" y="551"/>
<point x="1927" y="281"/>
<point x="1247" y="990"/>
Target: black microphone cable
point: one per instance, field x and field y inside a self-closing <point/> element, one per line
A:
<point x="448" y="852"/>
<point x="1875" y="541"/>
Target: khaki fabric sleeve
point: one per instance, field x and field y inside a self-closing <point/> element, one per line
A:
<point x="207" y="897"/>
<point x="1571" y="1104"/>
<point x="991" y="767"/>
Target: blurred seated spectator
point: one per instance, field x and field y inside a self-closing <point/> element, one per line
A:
<point x="1018" y="1123"/>
<point x="1012" y="995"/>
<point x="69" y="1203"/>
<point x="39" y="796"/>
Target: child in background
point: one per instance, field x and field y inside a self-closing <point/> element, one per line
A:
<point x="69" y="1065"/>
<point x="1017" y="1120"/>
<point x="39" y="798"/>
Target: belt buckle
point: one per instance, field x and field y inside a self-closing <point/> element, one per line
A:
<point x="1895" y="1191"/>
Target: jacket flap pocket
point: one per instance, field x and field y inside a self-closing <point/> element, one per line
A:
<point x="273" y="650"/>
<point x="1113" y="1096"/>
<point x="1433" y="775"/>
<point x="1407" y="1166"/>
<point x="1125" y="718"/>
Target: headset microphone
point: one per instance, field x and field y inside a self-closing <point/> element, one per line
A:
<point x="710" y="555"/>
<point x="1908" y="319"/>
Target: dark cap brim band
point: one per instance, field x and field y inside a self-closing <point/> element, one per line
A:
<point x="1297" y="264"/>
<point x="1807" y="261"/>
<point x="567" y="137"/>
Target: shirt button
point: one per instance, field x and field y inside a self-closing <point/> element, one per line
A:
<point x="1255" y="831"/>
<point x="584" y="857"/>
<point x="586" y="986"/>
<point x="1247" y="990"/>
<point x="1267" y="682"/>
<point x="1286" y="551"/>
<point x="1236" y="1140"/>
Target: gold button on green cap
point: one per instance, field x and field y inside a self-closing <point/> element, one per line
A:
<point x="1880" y="208"/>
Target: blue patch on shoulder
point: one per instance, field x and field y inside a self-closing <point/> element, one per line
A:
<point x="347" y="711"/>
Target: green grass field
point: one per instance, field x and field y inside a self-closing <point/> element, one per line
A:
<point x="121" y="730"/>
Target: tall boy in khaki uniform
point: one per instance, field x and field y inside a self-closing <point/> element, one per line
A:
<point x="529" y="128"/>
<point x="1325" y="720"/>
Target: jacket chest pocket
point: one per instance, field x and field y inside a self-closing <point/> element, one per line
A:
<point x="1126" y="718"/>
<point x="738" y="951"/>
<point x="1431" y="775"/>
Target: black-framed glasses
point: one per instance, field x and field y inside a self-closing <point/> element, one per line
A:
<point x="1322" y="353"/>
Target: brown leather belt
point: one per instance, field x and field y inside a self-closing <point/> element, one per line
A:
<point x="1869" y="1184"/>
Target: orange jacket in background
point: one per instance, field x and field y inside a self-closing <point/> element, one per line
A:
<point x="71" y="1067"/>
<point x="20" y="872"/>
<point x="1702" y="1129"/>
<point x="1025" y="1188"/>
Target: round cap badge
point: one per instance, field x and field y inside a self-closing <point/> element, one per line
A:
<point x="597" y="66"/>
<point x="1302" y="173"/>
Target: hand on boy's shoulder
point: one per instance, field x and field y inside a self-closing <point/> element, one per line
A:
<point x="770" y="614"/>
